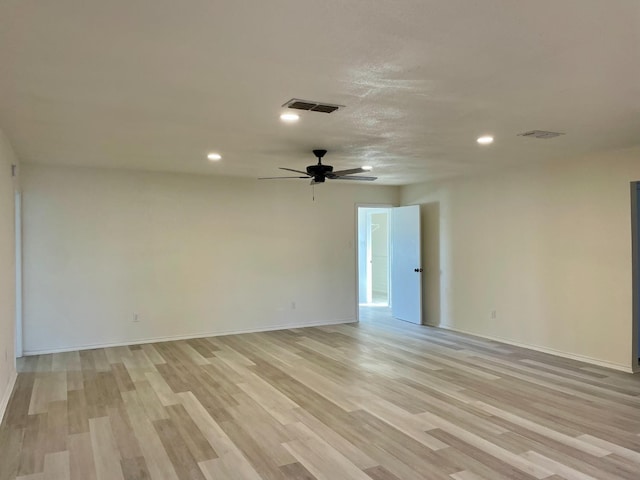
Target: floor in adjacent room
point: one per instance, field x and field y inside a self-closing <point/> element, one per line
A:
<point x="381" y="399"/>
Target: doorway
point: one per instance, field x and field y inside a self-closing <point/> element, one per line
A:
<point x="389" y="265"/>
<point x="373" y="257"/>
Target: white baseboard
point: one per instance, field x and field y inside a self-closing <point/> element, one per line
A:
<point x="4" y="400"/>
<point x="74" y="348"/>
<point x="550" y="351"/>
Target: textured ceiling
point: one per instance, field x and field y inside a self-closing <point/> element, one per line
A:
<point x="157" y="84"/>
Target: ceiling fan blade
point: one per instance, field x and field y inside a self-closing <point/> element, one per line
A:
<point x="341" y="173"/>
<point x="365" y="179"/>
<point x="292" y="170"/>
<point x="273" y="178"/>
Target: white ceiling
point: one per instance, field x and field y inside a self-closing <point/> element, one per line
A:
<point x="157" y="84"/>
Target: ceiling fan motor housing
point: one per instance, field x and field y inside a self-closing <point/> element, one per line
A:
<point x="319" y="170"/>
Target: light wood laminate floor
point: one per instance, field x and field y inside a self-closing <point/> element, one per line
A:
<point x="377" y="400"/>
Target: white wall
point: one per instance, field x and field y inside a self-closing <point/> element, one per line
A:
<point x="547" y="247"/>
<point x="7" y="272"/>
<point x="190" y="254"/>
<point x="380" y="253"/>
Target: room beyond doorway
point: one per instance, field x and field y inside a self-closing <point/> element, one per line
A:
<point x="373" y="256"/>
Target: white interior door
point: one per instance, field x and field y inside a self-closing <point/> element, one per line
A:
<point x="406" y="266"/>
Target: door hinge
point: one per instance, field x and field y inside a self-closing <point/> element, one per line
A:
<point x="13" y="170"/>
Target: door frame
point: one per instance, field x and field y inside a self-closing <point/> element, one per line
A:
<point x="357" y="250"/>
<point x="18" y="273"/>
<point x="635" y="281"/>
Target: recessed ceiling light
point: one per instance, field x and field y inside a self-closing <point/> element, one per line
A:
<point x="289" y="117"/>
<point x="214" y="157"/>
<point x="366" y="167"/>
<point x="486" y="140"/>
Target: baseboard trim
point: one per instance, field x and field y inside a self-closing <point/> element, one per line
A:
<point x="4" y="401"/>
<point x="550" y="351"/>
<point x="75" y="348"/>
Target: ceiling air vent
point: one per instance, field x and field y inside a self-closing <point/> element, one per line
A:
<point x="540" y="134"/>
<point x="312" y="106"/>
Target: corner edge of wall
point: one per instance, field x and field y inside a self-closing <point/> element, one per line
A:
<point x="6" y="396"/>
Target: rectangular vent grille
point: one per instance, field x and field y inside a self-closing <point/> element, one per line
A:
<point x="540" y="134"/>
<point x="312" y="106"/>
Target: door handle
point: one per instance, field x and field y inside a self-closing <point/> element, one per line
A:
<point x="417" y="270"/>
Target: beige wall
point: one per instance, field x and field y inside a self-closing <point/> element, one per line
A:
<point x="7" y="271"/>
<point x="190" y="254"/>
<point x="547" y="247"/>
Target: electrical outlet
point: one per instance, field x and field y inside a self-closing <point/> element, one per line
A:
<point x="493" y="315"/>
<point x="136" y="318"/>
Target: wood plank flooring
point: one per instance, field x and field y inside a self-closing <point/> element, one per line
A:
<point x="378" y="400"/>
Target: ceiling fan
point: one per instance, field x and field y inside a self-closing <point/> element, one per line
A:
<point x="319" y="172"/>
